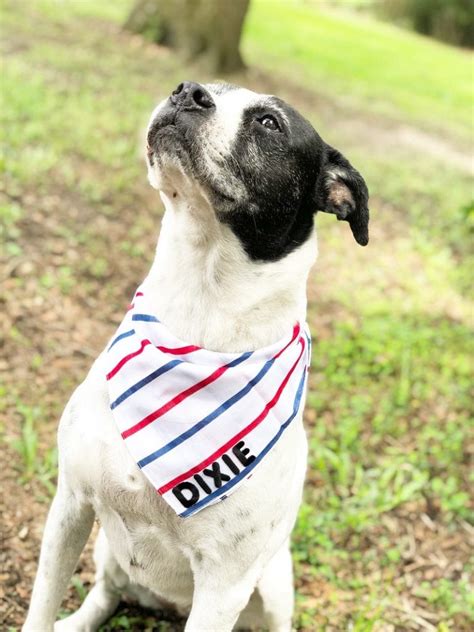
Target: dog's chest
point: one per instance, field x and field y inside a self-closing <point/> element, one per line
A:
<point x="121" y="489"/>
<point x="159" y="550"/>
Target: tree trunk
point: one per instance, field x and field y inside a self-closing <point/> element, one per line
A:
<point x="209" y="30"/>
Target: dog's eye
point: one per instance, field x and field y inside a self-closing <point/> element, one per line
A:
<point x="270" y="123"/>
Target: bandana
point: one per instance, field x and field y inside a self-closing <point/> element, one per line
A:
<point x="198" y="422"/>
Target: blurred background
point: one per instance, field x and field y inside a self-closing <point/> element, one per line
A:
<point x="385" y="532"/>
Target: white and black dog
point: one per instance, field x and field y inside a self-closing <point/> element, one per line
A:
<point x="241" y="176"/>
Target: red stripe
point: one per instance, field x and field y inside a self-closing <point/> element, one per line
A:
<point x="179" y="350"/>
<point x="296" y="332"/>
<point x="189" y="391"/>
<point x="174" y="402"/>
<point x="126" y="358"/>
<point x="239" y="435"/>
<point x="132" y="305"/>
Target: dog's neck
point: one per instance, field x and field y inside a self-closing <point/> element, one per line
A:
<point x="208" y="292"/>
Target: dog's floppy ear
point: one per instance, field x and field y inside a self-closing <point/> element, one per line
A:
<point x="341" y="190"/>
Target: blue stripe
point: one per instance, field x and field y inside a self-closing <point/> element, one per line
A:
<point x="146" y="317"/>
<point x="126" y="334"/>
<point x="215" y="413"/>
<point x="143" y="382"/>
<point x="245" y="472"/>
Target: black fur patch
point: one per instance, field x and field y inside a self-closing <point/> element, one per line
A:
<point x="285" y="174"/>
<point x="279" y="170"/>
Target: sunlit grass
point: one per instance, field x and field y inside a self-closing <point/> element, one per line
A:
<point x="368" y="63"/>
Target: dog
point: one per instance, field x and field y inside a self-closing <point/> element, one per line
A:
<point x="241" y="176"/>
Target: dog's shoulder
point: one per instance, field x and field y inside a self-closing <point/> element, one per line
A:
<point x="88" y="403"/>
<point x="87" y="432"/>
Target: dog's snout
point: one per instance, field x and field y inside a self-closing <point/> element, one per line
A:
<point x="192" y="96"/>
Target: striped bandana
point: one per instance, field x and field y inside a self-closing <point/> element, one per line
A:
<point x="198" y="422"/>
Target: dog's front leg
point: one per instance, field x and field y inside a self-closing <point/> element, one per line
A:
<point x="219" y="598"/>
<point x="67" y="529"/>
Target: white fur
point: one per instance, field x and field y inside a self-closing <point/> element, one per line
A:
<point x="208" y="292"/>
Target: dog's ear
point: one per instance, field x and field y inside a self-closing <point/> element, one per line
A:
<point x="341" y="190"/>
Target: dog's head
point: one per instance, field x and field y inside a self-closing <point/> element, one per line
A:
<point x="261" y="166"/>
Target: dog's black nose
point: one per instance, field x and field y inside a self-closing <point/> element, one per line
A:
<point x="192" y="96"/>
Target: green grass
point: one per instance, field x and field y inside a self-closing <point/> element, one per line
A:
<point x="42" y="467"/>
<point x="379" y="442"/>
<point x="388" y="408"/>
<point x="369" y="63"/>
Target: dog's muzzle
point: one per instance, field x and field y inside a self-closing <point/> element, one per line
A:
<point x="188" y="106"/>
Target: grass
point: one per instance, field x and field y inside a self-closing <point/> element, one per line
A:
<point x="388" y="412"/>
<point x="43" y="467"/>
<point x="369" y="63"/>
<point x="363" y="462"/>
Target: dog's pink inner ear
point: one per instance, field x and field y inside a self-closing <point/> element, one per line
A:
<point x="339" y="194"/>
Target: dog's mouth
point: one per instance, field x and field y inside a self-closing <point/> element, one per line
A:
<point x="166" y="140"/>
<point x="170" y="141"/>
<point x="161" y="127"/>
